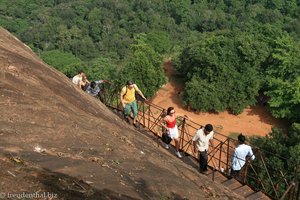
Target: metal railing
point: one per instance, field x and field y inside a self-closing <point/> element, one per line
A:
<point x="258" y="174"/>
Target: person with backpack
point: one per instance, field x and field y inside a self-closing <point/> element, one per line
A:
<point x="127" y="97"/>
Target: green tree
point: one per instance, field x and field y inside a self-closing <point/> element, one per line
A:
<point x="179" y="10"/>
<point x="102" y="68"/>
<point x="95" y="24"/>
<point x="144" y="67"/>
<point x="281" y="155"/>
<point x="200" y="95"/>
<point x="159" y="40"/>
<point x="64" y="62"/>
<point x="225" y="66"/>
<point x="283" y="79"/>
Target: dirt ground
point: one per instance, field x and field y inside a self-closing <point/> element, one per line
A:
<point x="255" y="120"/>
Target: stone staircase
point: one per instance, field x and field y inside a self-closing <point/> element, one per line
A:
<point x="219" y="178"/>
<point x="235" y="186"/>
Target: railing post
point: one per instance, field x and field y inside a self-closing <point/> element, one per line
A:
<point x="117" y="99"/>
<point x="182" y="133"/>
<point x="149" y="110"/>
<point x="220" y="155"/>
<point x="292" y="185"/>
<point x="144" y="114"/>
<point x="297" y="190"/>
<point x="228" y="156"/>
<point x="269" y="177"/>
<point x="246" y="172"/>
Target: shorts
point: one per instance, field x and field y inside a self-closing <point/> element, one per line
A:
<point x="128" y="107"/>
<point x="173" y="132"/>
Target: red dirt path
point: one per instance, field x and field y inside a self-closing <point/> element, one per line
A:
<point x="255" y="120"/>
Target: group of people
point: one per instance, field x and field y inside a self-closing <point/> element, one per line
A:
<point x="127" y="94"/>
<point x="92" y="88"/>
<point x="81" y="80"/>
<point x="204" y="137"/>
<point x="202" y="140"/>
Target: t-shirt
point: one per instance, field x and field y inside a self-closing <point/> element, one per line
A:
<point x="129" y="96"/>
<point x="94" y="91"/>
<point x="77" y="79"/>
<point x="202" y="140"/>
<point x="239" y="157"/>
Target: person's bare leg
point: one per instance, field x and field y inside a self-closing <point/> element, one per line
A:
<point x="177" y="148"/>
<point x="176" y="145"/>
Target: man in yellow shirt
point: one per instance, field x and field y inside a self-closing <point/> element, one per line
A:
<point x="128" y="100"/>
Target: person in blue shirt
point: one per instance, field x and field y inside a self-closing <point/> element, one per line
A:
<point x="94" y="89"/>
<point x="240" y="156"/>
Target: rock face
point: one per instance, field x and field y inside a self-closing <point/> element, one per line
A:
<point x="69" y="143"/>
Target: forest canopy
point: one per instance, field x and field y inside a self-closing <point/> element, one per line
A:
<point x="229" y="53"/>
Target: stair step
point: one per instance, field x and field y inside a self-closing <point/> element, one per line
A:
<point x="232" y="184"/>
<point x="244" y="191"/>
<point x="257" y="196"/>
<point x="218" y="177"/>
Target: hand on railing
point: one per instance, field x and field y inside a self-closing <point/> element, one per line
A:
<point x="145" y="99"/>
<point x="195" y="149"/>
<point x="187" y="117"/>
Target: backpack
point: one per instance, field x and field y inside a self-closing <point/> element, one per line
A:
<point x="137" y="95"/>
<point x="126" y="91"/>
<point x="166" y="138"/>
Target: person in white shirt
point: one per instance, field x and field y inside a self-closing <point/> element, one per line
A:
<point x="201" y="141"/>
<point x="240" y="156"/>
<point x="77" y="79"/>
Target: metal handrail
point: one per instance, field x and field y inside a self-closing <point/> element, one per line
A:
<point x="150" y="114"/>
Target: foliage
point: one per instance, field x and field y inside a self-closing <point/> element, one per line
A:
<point x="102" y="68"/>
<point x="229" y="45"/>
<point x="144" y="67"/>
<point x="284" y="79"/>
<point x="62" y="61"/>
<point x="159" y="40"/>
<point x="200" y="95"/>
<point x="285" y="157"/>
<point x="221" y="72"/>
